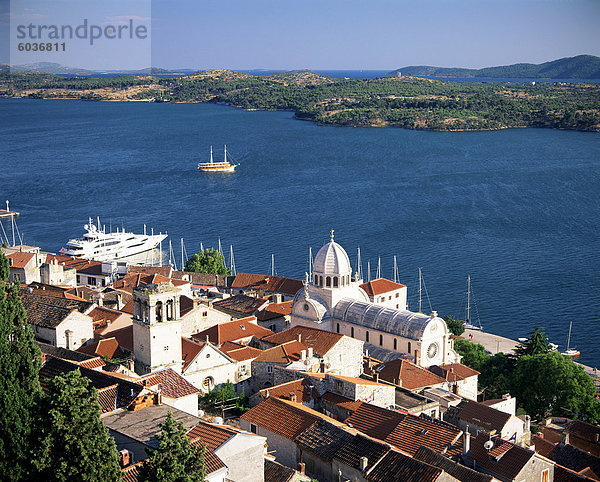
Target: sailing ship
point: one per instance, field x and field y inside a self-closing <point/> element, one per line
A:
<point x="468" y="322"/>
<point x="572" y="352"/>
<point x="212" y="166"/>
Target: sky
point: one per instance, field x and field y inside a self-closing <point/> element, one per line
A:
<point x="324" y="34"/>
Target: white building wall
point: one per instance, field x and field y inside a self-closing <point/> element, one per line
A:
<point x="187" y="404"/>
<point x="81" y="330"/>
<point x="201" y="318"/>
<point x="157" y="345"/>
<point x="282" y="448"/>
<point x="244" y="455"/>
<point x="395" y="299"/>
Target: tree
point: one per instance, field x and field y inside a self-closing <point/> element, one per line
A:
<point x="473" y="353"/>
<point x="497" y="374"/>
<point x="553" y="382"/>
<point x="536" y="344"/>
<point x="456" y="327"/>
<point x="4" y="267"/>
<point x="175" y="459"/>
<point x="207" y="261"/>
<point x="74" y="443"/>
<point x="19" y="385"/>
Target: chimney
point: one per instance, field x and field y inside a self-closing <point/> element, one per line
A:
<point x="466" y="441"/>
<point x="506" y="396"/>
<point x="125" y="457"/>
<point x="293" y="397"/>
<point x="299" y="337"/>
<point x="301" y="468"/>
<point x="364" y="461"/>
<point x="376" y="377"/>
<point x="310" y="352"/>
<point x="100" y="299"/>
<point x="303" y="355"/>
<point x="119" y="299"/>
<point x="267" y="393"/>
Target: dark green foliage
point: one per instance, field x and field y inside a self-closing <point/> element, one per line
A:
<point x="496" y="375"/>
<point x="456" y="327"/>
<point x="411" y="103"/>
<point x="175" y="459"/>
<point x="214" y="399"/>
<point x="207" y="261"/>
<point x="74" y="444"/>
<point x="19" y="385"/>
<point x="473" y="353"/>
<point x="4" y="267"/>
<point x="536" y="344"/>
<point x="553" y="382"/>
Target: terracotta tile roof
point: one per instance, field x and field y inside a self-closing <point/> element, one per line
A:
<point x="126" y="391"/>
<point x="131" y="281"/>
<point x="240" y="304"/>
<point x="20" y="260"/>
<point x="189" y="349"/>
<point x="503" y="460"/>
<point x="107" y="347"/>
<point x="58" y="352"/>
<point x="212" y="435"/>
<point x="456" y="470"/>
<point x="50" y="311"/>
<point x="405" y="373"/>
<point x="320" y="341"/>
<point x="453" y="371"/>
<point x="282" y="418"/>
<point x="379" y="286"/>
<point x="584" y="431"/>
<point x="275" y="472"/>
<point x="164" y="271"/>
<point x="107" y="398"/>
<point x="131" y="473"/>
<point x="302" y="388"/>
<point x="575" y="459"/>
<point x="212" y="463"/>
<point x="562" y="474"/>
<point x="274" y="284"/>
<point x="206" y="279"/>
<point x="57" y="293"/>
<point x="92" y="363"/>
<point x="128" y="308"/>
<point x="274" y="310"/>
<point x="397" y="467"/>
<point x="102" y="314"/>
<point x="406" y="432"/>
<point x="124" y="336"/>
<point x="233" y="331"/>
<point x="170" y="383"/>
<point x="284" y="353"/>
<point x="341" y="401"/>
<point x="483" y="416"/>
<point x="542" y="446"/>
<point x="243" y="354"/>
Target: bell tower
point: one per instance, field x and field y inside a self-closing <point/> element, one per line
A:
<point x="156" y="327"/>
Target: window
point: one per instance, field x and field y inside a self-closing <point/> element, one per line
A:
<point x="78" y="279"/>
<point x="352" y="332"/>
<point x="397" y="295"/>
<point x="316" y="279"/>
<point x="335" y="281"/>
<point x="395" y="344"/>
<point x="367" y="336"/>
<point x="380" y="340"/>
<point x="103" y="282"/>
<point x="208" y="383"/>
<point x="409" y="347"/>
<point x="328" y="282"/>
<point x="243" y="369"/>
<point x="252" y="428"/>
<point x="269" y="368"/>
<point x="205" y="313"/>
<point x="337" y="328"/>
<point x="545" y="475"/>
<point x="91" y="281"/>
<point x="273" y="328"/>
<point x="389" y="297"/>
<point x="339" y="386"/>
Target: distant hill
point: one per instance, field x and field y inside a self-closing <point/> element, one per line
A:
<point x="580" y="67"/>
<point x="58" y="69"/>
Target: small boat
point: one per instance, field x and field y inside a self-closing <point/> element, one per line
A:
<point x="572" y="352"/>
<point x="468" y="322"/>
<point x="212" y="166"/>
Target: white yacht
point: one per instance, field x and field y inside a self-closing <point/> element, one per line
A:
<point x="99" y="245"/>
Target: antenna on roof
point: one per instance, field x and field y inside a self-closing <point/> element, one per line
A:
<point x="379" y="267"/>
<point x="232" y="260"/>
<point x="395" y="270"/>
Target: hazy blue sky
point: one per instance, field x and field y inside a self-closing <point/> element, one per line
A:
<point x="366" y="34"/>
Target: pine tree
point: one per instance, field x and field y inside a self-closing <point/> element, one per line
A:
<point x="4" y="267"/>
<point x="19" y="385"/>
<point x="74" y="444"/>
<point x="175" y="459"/>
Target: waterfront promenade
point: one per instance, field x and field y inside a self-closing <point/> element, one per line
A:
<point x="498" y="344"/>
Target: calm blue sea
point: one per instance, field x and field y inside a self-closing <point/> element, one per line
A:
<point x="518" y="209"/>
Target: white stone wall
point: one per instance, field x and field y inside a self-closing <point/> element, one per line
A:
<point x="81" y="328"/>
<point x="215" y="365"/>
<point x="201" y="318"/>
<point x="345" y="358"/>
<point x="395" y="299"/>
<point x="157" y="345"/>
<point x="244" y="455"/>
<point x="282" y="448"/>
<point x="187" y="404"/>
<point x="467" y="388"/>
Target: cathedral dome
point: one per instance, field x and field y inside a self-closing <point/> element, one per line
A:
<point x="332" y="259"/>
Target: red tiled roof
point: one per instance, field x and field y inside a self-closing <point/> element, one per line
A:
<point x="284" y="353"/>
<point x="131" y="473"/>
<point x="241" y="304"/>
<point x="57" y="294"/>
<point x="504" y="459"/>
<point x="107" y="347"/>
<point x="92" y="363"/>
<point x="107" y="398"/>
<point x="584" y="431"/>
<point x="405" y="373"/>
<point x="171" y="384"/>
<point x="128" y="308"/>
<point x="398" y="467"/>
<point x="274" y="284"/>
<point x="212" y="435"/>
<point x="320" y="341"/>
<point x="189" y="349"/>
<point x="243" y="354"/>
<point x="165" y="271"/>
<point x="102" y="314"/>
<point x="341" y="401"/>
<point x="405" y="431"/>
<point x="274" y="310"/>
<point x="542" y="446"/>
<point x="20" y="260"/>
<point x="286" y="419"/>
<point x="124" y="337"/>
<point x="379" y="286"/>
<point x="453" y="371"/>
<point x="212" y="463"/>
<point x="233" y="331"/>
<point x="302" y="388"/>
<point x="488" y="418"/>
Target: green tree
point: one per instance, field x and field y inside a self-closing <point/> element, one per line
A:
<point x="19" y="385"/>
<point x="553" y="382"/>
<point x="473" y="353"/>
<point x="456" y="327"/>
<point x="4" y="267"/>
<point x="207" y="261"/>
<point x="497" y="375"/>
<point x="536" y="344"/>
<point x="175" y="459"/>
<point x="74" y="444"/>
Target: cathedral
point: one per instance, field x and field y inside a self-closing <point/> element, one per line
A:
<point x="332" y="300"/>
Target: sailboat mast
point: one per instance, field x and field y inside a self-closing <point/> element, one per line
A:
<point x="420" y="290"/>
<point x="395" y="270"/>
<point x="468" y="320"/>
<point x="211" y="159"/>
<point x="359" y="266"/>
<point x="379" y="267"/>
<point x="569" y="338"/>
<point x="182" y="262"/>
<point x="225" y="155"/>
<point x="272" y="264"/>
<point x="310" y="262"/>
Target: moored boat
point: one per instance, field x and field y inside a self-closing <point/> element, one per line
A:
<point x="212" y="166"/>
<point x="571" y="352"/>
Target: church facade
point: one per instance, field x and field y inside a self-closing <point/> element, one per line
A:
<point x="332" y="300"/>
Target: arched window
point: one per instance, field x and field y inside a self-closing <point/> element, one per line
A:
<point x="321" y="281"/>
<point x="170" y="314"/>
<point x="317" y="280"/>
<point x="380" y="340"/>
<point x="335" y="281"/>
<point x="351" y="332"/>
<point x="208" y="383"/>
<point x="342" y="280"/>
<point x="409" y="347"/>
<point x="367" y="336"/>
<point x="395" y="344"/>
<point x="328" y="282"/>
<point x="338" y="328"/>
<point x="159" y="311"/>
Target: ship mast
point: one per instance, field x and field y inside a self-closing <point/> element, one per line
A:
<point x="211" y="159"/>
<point x="225" y="155"/>
<point x="468" y="320"/>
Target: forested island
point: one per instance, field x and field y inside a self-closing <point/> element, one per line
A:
<point x="408" y="102"/>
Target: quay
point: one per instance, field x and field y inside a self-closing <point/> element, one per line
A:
<point x="498" y="344"/>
